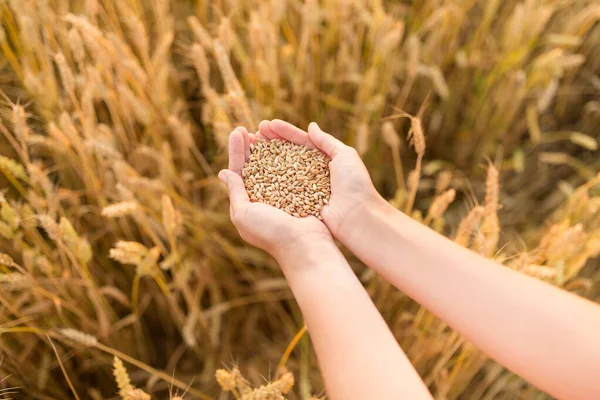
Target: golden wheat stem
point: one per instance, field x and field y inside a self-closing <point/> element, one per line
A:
<point x="14" y="181"/>
<point x="21" y="329"/>
<point x="11" y="57"/>
<point x="452" y="345"/>
<point x="135" y="288"/>
<point x="398" y="170"/>
<point x="457" y="366"/>
<point x="62" y="367"/>
<point x="290" y="348"/>
<point x="413" y="189"/>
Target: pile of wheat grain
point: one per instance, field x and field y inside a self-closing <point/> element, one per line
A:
<point x="288" y="176"/>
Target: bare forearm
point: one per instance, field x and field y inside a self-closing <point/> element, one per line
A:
<point x="544" y="334"/>
<point x="359" y="356"/>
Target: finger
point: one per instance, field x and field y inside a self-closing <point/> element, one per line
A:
<point x="265" y="130"/>
<point x="324" y="141"/>
<point x="237" y="157"/>
<point x="244" y="133"/>
<point x="235" y="186"/>
<point x="260" y="136"/>
<point x="253" y="138"/>
<point x="289" y="132"/>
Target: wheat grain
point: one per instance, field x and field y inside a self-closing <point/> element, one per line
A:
<point x="200" y="62"/>
<point x="467" y="226"/>
<point x="139" y="110"/>
<point x="492" y="191"/>
<point x="79" y="337"/>
<point x="81" y="22"/>
<point x="15" y="281"/>
<point x="138" y="32"/>
<point x="490" y="227"/>
<point x="138" y="394"/>
<point x="58" y="135"/>
<point x="440" y="204"/>
<point x="33" y="83"/>
<point x="102" y="149"/>
<point x="263" y="393"/>
<point x="147" y="266"/>
<point x="12" y="167"/>
<point x="182" y="132"/>
<point x="19" y="120"/>
<point x="224" y="63"/>
<point x="128" y="252"/>
<point x="241" y="383"/>
<point x="122" y="378"/>
<point x="171" y="218"/>
<point x="68" y="127"/>
<point x="225" y="379"/>
<point x="50" y="226"/>
<point x="9" y="214"/>
<point x="416" y="136"/>
<point x="390" y="136"/>
<point x="201" y="34"/>
<point x="66" y="75"/>
<point x="7" y="260"/>
<point x="67" y="233"/>
<point x="76" y="45"/>
<point x="285" y="383"/>
<point x="288" y="176"/>
<point x="542" y="272"/>
<point x="161" y="52"/>
<point x="443" y="181"/>
<point x="6" y="231"/>
<point x="225" y="34"/>
<point x="121" y="209"/>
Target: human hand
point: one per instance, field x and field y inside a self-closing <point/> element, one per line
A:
<point x="351" y="186"/>
<point x="262" y="225"/>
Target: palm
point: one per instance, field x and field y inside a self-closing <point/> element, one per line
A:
<point x="266" y="226"/>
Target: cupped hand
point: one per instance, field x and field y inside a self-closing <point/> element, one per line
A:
<point x="351" y="186"/>
<point x="262" y="225"/>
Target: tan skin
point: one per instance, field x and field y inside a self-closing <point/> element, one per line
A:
<point x="546" y="335"/>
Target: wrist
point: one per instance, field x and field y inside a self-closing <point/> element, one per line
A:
<point x="364" y="217"/>
<point x="307" y="253"/>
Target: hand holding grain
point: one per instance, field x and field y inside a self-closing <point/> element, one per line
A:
<point x="351" y="186"/>
<point x="260" y="224"/>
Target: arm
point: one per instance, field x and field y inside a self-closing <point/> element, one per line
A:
<point x="358" y="354"/>
<point x="544" y="334"/>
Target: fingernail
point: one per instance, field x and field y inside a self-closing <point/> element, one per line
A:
<point x="223" y="176"/>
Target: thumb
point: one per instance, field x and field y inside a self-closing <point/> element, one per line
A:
<point x="324" y="141"/>
<point x="235" y="186"/>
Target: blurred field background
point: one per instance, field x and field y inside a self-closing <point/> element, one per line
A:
<point x="114" y="231"/>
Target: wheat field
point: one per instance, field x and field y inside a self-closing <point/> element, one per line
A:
<point x="121" y="275"/>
